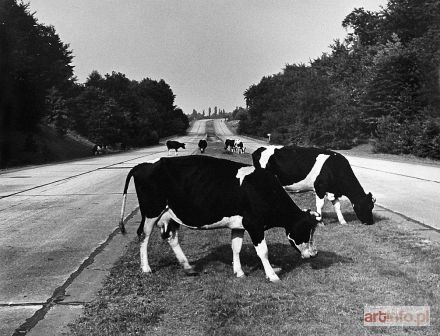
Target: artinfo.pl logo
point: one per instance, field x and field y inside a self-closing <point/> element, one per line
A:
<point x="406" y="316"/>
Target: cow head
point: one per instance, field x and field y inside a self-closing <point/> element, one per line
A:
<point x="300" y="234"/>
<point x="364" y="209"/>
<point x="182" y="145"/>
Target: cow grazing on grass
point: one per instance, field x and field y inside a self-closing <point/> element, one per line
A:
<point x="171" y="144"/>
<point x="202" y="145"/>
<point x="203" y="192"/>
<point x="302" y="169"/>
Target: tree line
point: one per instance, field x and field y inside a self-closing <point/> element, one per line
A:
<point x="216" y="113"/>
<point x="381" y="82"/>
<point x="38" y="87"/>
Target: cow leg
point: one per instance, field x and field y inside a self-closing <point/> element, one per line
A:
<point x="148" y="227"/>
<point x="337" y="206"/>
<point x="237" y="242"/>
<point x="176" y="151"/>
<point x="319" y="205"/>
<point x="263" y="253"/>
<point x="173" y="240"/>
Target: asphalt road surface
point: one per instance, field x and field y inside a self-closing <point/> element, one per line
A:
<point x="54" y="218"/>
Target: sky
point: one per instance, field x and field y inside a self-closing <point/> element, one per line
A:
<point x="209" y="51"/>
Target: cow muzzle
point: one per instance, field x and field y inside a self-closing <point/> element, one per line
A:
<point x="307" y="250"/>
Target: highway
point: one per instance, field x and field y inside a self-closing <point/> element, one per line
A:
<point x="54" y="218"/>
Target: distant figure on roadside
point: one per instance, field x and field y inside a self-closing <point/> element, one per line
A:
<point x="97" y="149"/>
<point x="171" y="144"/>
<point x="202" y="145"/>
<point x="230" y="145"/>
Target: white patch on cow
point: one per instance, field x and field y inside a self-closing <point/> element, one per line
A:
<point x="233" y="222"/>
<point x="266" y="154"/>
<point x="243" y="172"/>
<point x="263" y="253"/>
<point x="308" y="183"/>
<point x="331" y="197"/>
<point x="153" y="160"/>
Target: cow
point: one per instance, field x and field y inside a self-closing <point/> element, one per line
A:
<point x="230" y="144"/>
<point x="240" y="147"/>
<point x="97" y="149"/>
<point x="325" y="172"/>
<point x="202" y="145"/>
<point x="171" y="144"/>
<point x="203" y="192"/>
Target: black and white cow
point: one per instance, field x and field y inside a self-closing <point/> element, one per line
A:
<point x="204" y="192"/>
<point x="97" y="150"/>
<point x="302" y="169"/>
<point x="230" y="145"/>
<point x="240" y="146"/>
<point x="171" y="144"/>
<point x="202" y="145"/>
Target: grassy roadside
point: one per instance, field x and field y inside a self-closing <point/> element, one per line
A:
<point x="356" y="265"/>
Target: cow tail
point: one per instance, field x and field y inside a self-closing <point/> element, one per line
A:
<point x="124" y="200"/>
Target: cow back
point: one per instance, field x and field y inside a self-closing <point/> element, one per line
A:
<point x="201" y="190"/>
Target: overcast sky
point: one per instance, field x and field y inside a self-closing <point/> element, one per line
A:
<point x="208" y="51"/>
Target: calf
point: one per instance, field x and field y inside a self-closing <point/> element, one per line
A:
<point x="302" y="169"/>
<point x="204" y="193"/>
<point x="171" y="144"/>
<point x="202" y="145"/>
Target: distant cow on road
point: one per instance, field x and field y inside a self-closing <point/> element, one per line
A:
<point x="230" y="144"/>
<point x="240" y="146"/>
<point x="202" y="145"/>
<point x="171" y="144"/>
<point x="97" y="149"/>
<point x="325" y="172"/>
<point x="203" y="192"/>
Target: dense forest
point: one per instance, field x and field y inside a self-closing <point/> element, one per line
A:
<point x="38" y="89"/>
<point x="380" y="83"/>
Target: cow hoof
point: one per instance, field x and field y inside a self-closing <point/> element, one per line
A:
<point x="275" y="280"/>
<point x="240" y="275"/>
<point x="321" y="223"/>
<point x="343" y="223"/>
<point x="191" y="272"/>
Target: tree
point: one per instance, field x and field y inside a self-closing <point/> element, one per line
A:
<point x="32" y="61"/>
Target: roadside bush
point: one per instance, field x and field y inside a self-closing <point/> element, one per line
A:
<point x="427" y="143"/>
<point x="421" y="138"/>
